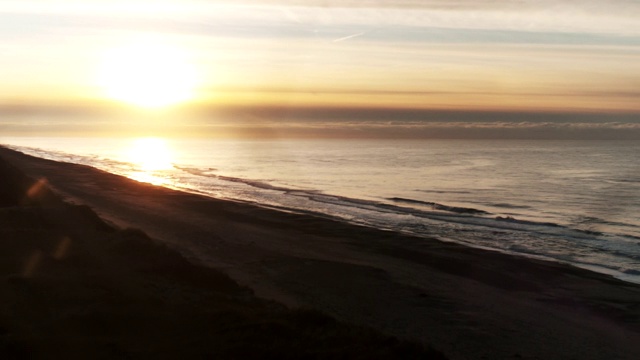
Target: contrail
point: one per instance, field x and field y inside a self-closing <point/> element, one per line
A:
<point x="349" y="37"/>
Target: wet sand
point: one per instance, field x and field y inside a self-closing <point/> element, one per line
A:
<point x="467" y="303"/>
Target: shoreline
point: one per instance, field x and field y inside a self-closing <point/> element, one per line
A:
<point x="463" y="300"/>
<point x="492" y="232"/>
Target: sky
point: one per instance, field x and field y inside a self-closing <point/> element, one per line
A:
<point x="370" y="68"/>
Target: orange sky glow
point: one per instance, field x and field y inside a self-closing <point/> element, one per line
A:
<point x="168" y="56"/>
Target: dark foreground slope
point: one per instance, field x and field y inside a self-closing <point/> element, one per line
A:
<point x="72" y="286"/>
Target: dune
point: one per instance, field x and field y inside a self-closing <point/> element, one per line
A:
<point x="468" y="303"/>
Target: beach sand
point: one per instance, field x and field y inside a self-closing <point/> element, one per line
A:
<point x="468" y="303"/>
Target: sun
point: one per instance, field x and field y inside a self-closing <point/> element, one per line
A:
<point x="147" y="73"/>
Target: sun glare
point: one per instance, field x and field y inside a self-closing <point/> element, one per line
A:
<point x="151" y="154"/>
<point x="147" y="73"/>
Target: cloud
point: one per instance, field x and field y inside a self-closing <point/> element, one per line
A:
<point x="613" y="16"/>
<point x="327" y="122"/>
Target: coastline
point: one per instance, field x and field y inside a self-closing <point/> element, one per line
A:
<point x="595" y="230"/>
<point x="467" y="302"/>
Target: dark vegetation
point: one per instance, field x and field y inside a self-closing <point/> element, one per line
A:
<point x="75" y="287"/>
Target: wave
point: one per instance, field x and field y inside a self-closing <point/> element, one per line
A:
<point x="511" y="219"/>
<point x="624" y="181"/>
<point x="446" y="214"/>
<point x="592" y="220"/>
<point x="445" y="191"/>
<point x="509" y="206"/>
<point x="196" y="171"/>
<point x="436" y="206"/>
<point x="631" y="272"/>
<point x="442" y="212"/>
<point x="254" y="183"/>
<point x="209" y="172"/>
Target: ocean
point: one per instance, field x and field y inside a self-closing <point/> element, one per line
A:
<point x="575" y="202"/>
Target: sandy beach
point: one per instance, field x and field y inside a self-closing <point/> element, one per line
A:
<point x="467" y="303"/>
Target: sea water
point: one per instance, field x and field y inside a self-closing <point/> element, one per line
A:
<point x="576" y="202"/>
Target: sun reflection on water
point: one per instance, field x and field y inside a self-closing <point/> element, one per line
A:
<point x="150" y="156"/>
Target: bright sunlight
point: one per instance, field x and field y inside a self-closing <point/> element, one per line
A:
<point x="147" y="73"/>
<point x="150" y="154"/>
